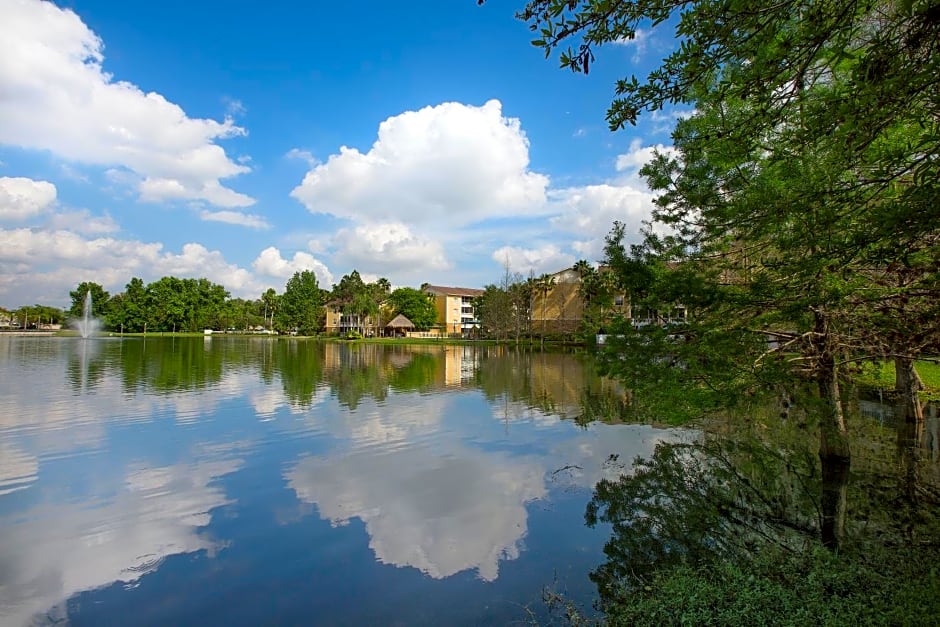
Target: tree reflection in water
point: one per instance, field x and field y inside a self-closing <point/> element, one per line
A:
<point x="755" y="527"/>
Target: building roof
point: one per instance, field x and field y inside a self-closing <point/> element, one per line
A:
<point x="452" y="291"/>
<point x="400" y="322"/>
<point x="566" y="275"/>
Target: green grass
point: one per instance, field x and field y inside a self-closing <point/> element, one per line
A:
<point x="71" y="333"/>
<point x="881" y="375"/>
<point x="810" y="587"/>
<point x="326" y="338"/>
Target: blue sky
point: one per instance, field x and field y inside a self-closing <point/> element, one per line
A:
<point x="243" y="141"/>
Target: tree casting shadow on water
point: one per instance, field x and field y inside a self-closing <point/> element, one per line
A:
<point x="727" y="529"/>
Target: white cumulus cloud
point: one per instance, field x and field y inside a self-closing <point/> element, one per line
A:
<point x="452" y="164"/>
<point x="22" y="198"/>
<point x="270" y="263"/>
<point x="590" y="212"/>
<point x="545" y="259"/>
<point x="636" y="157"/>
<point x="43" y="265"/>
<point x="195" y="260"/>
<point x="58" y="97"/>
<point x="389" y="248"/>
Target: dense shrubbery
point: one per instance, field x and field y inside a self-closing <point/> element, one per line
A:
<point x="813" y="586"/>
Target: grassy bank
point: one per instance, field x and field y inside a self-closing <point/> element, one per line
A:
<point x="71" y="333"/>
<point x="881" y="375"/>
<point x="320" y="338"/>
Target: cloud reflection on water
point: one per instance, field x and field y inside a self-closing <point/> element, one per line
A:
<point x="17" y="469"/>
<point x="439" y="514"/>
<point x="445" y="502"/>
<point x="55" y="550"/>
<point x="406" y="442"/>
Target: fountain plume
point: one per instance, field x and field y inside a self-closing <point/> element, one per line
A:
<point x="88" y="325"/>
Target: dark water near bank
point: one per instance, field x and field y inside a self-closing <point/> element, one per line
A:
<point x="247" y="482"/>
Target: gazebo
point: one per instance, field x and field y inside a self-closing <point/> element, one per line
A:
<point x="399" y="326"/>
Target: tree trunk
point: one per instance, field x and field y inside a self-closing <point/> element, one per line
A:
<point x="907" y="383"/>
<point x="835" y="479"/>
<point x="908" y="440"/>
<point x="833" y="436"/>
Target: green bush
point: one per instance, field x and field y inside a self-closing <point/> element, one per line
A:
<point x="879" y="586"/>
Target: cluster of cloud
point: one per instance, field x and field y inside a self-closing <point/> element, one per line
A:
<point x="451" y="164"/>
<point x="57" y="97"/>
<point x="22" y="198"/>
<point x="270" y="263"/>
<point x="434" y="172"/>
<point x="42" y="265"/>
<point x="445" y="193"/>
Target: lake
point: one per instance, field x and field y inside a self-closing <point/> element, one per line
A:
<point x="249" y="481"/>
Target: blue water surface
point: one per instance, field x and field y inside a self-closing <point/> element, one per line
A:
<point x="236" y="481"/>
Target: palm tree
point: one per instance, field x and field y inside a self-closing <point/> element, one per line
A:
<point x="544" y="285"/>
<point x="582" y="267"/>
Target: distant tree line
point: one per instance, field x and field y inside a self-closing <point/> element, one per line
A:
<point x="31" y="316"/>
<point x="172" y="304"/>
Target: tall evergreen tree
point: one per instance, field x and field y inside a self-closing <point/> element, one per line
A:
<point x="804" y="172"/>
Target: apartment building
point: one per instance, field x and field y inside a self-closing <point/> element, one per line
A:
<point x="454" y="307"/>
<point x="558" y="306"/>
<point x="338" y="323"/>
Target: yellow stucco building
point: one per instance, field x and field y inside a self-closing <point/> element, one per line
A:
<point x="454" y="307"/>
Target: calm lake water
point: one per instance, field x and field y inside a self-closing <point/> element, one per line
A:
<point x="259" y="481"/>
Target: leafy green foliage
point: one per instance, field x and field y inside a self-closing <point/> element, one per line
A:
<point x="415" y="305"/>
<point x="300" y="305"/>
<point x="99" y="300"/>
<point x="888" y="49"/>
<point x="34" y="315"/>
<point x="128" y="310"/>
<point x="361" y="302"/>
<point x="812" y="587"/>
<point x="798" y="200"/>
<point x="597" y="292"/>
<point x="191" y="305"/>
<point x="494" y="310"/>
